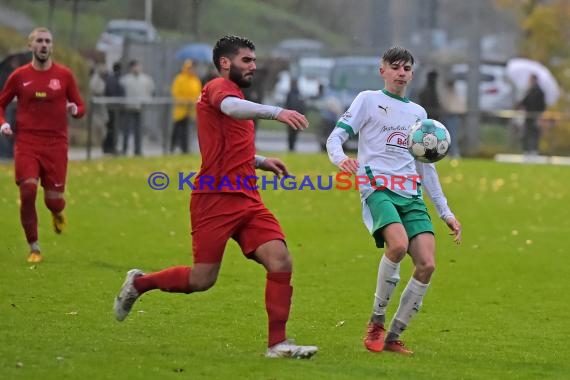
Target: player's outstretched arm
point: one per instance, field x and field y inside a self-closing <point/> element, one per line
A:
<point x="244" y="109"/>
<point x="293" y="119"/>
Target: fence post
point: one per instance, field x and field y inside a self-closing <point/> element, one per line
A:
<point x="89" y="128"/>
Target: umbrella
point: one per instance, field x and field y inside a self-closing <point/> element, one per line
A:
<point x="11" y="62"/>
<point x="198" y="52"/>
<point x="519" y="71"/>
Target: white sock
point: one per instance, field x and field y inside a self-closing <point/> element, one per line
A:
<point x="388" y="278"/>
<point x="35" y="246"/>
<point x="410" y="304"/>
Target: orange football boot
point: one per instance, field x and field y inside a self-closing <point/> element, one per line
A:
<point x="35" y="257"/>
<point x="374" y="339"/>
<point x="59" y="222"/>
<point x="398" y="347"/>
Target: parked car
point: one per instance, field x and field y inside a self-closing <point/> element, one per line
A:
<point x="114" y="34"/>
<point x="349" y="76"/>
<point x="298" y="47"/>
<point x="496" y="92"/>
<point x="311" y="73"/>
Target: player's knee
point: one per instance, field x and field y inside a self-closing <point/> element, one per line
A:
<point x="203" y="284"/>
<point x="28" y="191"/>
<point x="280" y="261"/>
<point x="284" y="262"/>
<point x="397" y="251"/>
<point x="203" y="277"/>
<point x="426" y="268"/>
<point x="54" y="204"/>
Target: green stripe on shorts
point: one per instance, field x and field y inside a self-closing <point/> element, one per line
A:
<point x="387" y="207"/>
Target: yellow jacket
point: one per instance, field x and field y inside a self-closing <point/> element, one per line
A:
<point x="186" y="87"/>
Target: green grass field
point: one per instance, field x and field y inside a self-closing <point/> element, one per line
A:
<point x="495" y="308"/>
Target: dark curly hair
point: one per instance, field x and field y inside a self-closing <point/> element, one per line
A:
<point x="228" y="46"/>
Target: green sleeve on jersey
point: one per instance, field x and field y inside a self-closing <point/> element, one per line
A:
<point x="346" y="127"/>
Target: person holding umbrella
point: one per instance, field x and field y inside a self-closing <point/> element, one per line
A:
<point x="534" y="104"/>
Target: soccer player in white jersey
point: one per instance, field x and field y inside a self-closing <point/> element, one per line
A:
<point x="393" y="208"/>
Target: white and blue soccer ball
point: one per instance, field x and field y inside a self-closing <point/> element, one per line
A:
<point x="428" y="140"/>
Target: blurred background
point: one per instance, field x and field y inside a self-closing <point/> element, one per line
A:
<point x="315" y="55"/>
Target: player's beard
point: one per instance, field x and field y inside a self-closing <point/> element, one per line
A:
<point x="42" y="59"/>
<point x="237" y="77"/>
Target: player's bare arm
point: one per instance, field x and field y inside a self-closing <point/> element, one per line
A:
<point x="455" y="228"/>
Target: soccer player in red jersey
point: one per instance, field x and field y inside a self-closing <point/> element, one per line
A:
<point x="225" y="203"/>
<point x="46" y="93"/>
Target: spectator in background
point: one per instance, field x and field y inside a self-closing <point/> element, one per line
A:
<point x="139" y="87"/>
<point x="294" y="101"/>
<point x="454" y="110"/>
<point x="429" y="97"/>
<point x="113" y="88"/>
<point x="100" y="117"/>
<point x="185" y="90"/>
<point x="211" y="74"/>
<point x="7" y="145"/>
<point x="534" y="104"/>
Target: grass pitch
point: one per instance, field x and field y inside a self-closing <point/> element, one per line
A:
<point x="495" y="308"/>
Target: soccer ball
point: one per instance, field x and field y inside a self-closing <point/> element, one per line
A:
<point x="428" y="140"/>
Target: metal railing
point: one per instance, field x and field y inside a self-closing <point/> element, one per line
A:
<point x="121" y="104"/>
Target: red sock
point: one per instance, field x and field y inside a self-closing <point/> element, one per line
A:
<point x="278" y="292"/>
<point x="55" y="205"/>
<point x="28" y="215"/>
<point x="173" y="280"/>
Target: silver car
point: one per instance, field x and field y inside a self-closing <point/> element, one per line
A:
<point x="117" y="30"/>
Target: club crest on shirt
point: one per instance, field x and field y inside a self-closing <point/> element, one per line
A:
<point x="54" y="84"/>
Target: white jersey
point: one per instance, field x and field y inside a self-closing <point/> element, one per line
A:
<point x="382" y="120"/>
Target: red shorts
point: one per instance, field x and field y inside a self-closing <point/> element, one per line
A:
<point x="218" y="217"/>
<point x="46" y="162"/>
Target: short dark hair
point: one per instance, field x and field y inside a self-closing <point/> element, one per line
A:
<point x="397" y="54"/>
<point x="228" y="46"/>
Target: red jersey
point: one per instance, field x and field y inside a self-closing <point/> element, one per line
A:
<point x="41" y="113"/>
<point x="227" y="145"/>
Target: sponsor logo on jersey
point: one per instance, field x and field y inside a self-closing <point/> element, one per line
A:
<point x="396" y="142"/>
<point x="41" y="94"/>
<point x="385" y="109"/>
